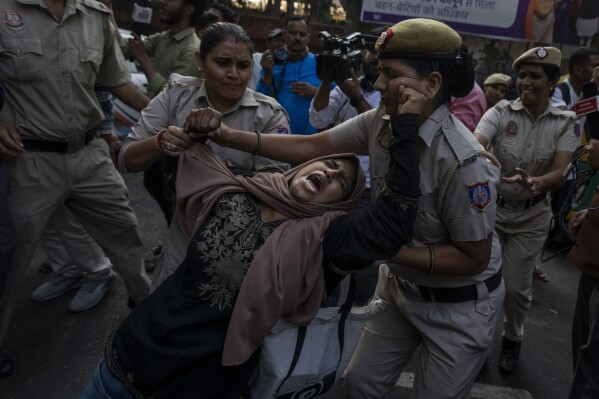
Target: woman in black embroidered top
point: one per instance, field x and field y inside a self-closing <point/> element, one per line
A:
<point x="171" y="346"/>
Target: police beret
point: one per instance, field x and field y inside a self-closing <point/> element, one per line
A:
<point x="539" y="56"/>
<point x="498" y="79"/>
<point x="418" y="38"/>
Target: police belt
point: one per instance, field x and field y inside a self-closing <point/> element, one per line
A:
<point x="62" y="146"/>
<point x="523" y="204"/>
<point x="453" y="294"/>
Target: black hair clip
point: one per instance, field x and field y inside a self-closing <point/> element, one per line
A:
<point x="463" y="57"/>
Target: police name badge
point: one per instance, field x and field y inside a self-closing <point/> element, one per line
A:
<point x="479" y="195"/>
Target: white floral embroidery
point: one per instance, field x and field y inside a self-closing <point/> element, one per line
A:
<point x="228" y="246"/>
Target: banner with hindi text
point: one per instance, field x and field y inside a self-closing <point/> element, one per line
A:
<point x="532" y="20"/>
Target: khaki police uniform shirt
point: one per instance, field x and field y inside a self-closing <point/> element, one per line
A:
<point x="48" y="69"/>
<point x="253" y="112"/>
<point x="443" y="141"/>
<point x="171" y="54"/>
<point x="518" y="141"/>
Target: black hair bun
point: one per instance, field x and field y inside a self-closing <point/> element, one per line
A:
<point x="465" y="73"/>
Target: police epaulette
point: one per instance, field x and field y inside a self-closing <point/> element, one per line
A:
<point x="174" y="83"/>
<point x="469" y="160"/>
<point x="96" y="5"/>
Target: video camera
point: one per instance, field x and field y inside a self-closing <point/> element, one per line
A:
<point x="280" y="56"/>
<point x="340" y="54"/>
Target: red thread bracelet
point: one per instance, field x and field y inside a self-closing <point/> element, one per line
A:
<point x="157" y="142"/>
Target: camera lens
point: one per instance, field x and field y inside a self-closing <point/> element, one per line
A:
<point x="280" y="55"/>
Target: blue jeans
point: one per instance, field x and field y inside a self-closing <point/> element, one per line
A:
<point x="104" y="385"/>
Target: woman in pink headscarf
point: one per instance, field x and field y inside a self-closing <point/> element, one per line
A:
<point x="262" y="248"/>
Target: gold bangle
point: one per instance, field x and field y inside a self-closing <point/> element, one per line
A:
<point x="431" y="259"/>
<point x="258" y="144"/>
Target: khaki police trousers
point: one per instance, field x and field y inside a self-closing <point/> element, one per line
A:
<point x="454" y="341"/>
<point x="521" y="234"/>
<point x="70" y="249"/>
<point x="88" y="184"/>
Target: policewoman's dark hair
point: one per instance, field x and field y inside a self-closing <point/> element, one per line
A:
<point x="457" y="72"/>
<point x="221" y="31"/>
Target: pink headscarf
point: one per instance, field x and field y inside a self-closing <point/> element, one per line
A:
<point x="285" y="278"/>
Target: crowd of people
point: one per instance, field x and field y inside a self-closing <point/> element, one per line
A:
<point x="436" y="192"/>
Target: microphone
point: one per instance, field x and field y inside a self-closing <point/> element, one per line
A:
<point x="590" y="108"/>
<point x="141" y="16"/>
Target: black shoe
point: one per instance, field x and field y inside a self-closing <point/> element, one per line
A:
<point x="7" y="367"/>
<point x="510" y="353"/>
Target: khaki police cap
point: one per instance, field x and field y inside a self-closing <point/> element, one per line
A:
<point x="539" y="56"/>
<point x="498" y="79"/>
<point x="418" y="38"/>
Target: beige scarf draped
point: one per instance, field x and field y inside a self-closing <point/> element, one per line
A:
<point x="285" y="278"/>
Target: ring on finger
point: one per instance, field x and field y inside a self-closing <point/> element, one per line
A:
<point x="169" y="146"/>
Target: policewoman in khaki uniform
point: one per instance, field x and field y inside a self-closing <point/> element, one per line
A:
<point x="534" y="143"/>
<point x="443" y="293"/>
<point x="51" y="56"/>
<point x="495" y="88"/>
<point x="241" y="107"/>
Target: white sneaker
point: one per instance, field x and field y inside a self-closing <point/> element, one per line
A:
<point x="92" y="291"/>
<point x="54" y="288"/>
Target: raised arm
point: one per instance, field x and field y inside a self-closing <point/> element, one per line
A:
<point x="321" y="99"/>
<point x="289" y="148"/>
<point x="356" y="240"/>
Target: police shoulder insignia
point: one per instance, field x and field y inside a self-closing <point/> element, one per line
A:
<point x="577" y="129"/>
<point x="479" y="195"/>
<point x="96" y="5"/>
<point x="282" y="129"/>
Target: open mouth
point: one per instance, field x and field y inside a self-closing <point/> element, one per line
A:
<point x="314" y="183"/>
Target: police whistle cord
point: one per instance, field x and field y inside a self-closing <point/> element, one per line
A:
<point x="575" y="194"/>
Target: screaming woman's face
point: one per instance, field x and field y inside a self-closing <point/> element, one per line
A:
<point x="325" y="181"/>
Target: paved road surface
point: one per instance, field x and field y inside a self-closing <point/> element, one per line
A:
<point x="55" y="351"/>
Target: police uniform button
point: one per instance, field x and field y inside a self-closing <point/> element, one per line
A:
<point x="18" y="51"/>
<point x="446" y="126"/>
<point x="485" y="309"/>
<point x="62" y="50"/>
<point x="65" y="72"/>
